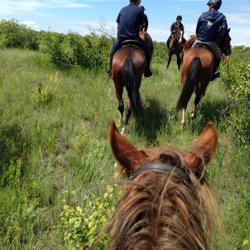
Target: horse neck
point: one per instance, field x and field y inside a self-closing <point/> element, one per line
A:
<point x="189" y="43"/>
<point x="159" y="211"/>
<point x="173" y="42"/>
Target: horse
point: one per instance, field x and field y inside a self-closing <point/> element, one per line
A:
<point x="197" y="72"/>
<point x="128" y="65"/>
<point x="175" y="46"/>
<point x="167" y="202"/>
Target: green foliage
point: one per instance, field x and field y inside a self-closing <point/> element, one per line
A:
<point x="89" y="154"/>
<point x="15" y="35"/>
<point x="90" y="52"/>
<point x="58" y="155"/>
<point x="236" y="76"/>
<point x="83" y="226"/>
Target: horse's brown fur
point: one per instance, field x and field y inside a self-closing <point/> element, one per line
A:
<point x="130" y="76"/>
<point x="197" y="71"/>
<point x="174" y="47"/>
<point x="163" y="210"/>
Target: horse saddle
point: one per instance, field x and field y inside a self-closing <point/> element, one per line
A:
<point x="203" y="45"/>
<point x="134" y="43"/>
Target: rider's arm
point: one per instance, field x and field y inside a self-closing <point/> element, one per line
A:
<point x="141" y="15"/>
<point x="118" y="21"/>
<point x="172" y="28"/>
<point x="224" y="28"/>
<point x="182" y="26"/>
<point x="198" y="25"/>
<point x="145" y="22"/>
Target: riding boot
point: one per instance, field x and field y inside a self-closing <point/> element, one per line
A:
<point x="110" y="65"/>
<point x="216" y="66"/>
<point x="148" y="71"/>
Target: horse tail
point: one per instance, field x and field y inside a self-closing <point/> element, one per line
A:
<point x="189" y="84"/>
<point x="129" y="80"/>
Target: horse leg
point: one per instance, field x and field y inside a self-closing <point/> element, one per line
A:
<point x="178" y="61"/>
<point x="183" y="121"/>
<point x="119" y="92"/>
<point x="197" y="100"/>
<point x="169" y="58"/>
<point x="128" y="112"/>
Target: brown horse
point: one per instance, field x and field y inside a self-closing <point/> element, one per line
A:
<point x="175" y="46"/>
<point x="197" y="72"/>
<point x="128" y="65"/>
<point x="168" y="203"/>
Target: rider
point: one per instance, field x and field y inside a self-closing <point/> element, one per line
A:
<point x="176" y="26"/>
<point x="144" y="23"/>
<point x="129" y="22"/>
<point x="212" y="27"/>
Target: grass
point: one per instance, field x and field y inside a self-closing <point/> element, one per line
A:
<point x="54" y="149"/>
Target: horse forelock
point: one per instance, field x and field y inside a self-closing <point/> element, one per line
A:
<point x="163" y="211"/>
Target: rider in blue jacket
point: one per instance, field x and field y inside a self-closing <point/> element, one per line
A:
<point x="211" y="28"/>
<point x="130" y="21"/>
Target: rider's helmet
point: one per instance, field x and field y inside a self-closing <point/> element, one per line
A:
<point x="216" y="3"/>
<point x="179" y="18"/>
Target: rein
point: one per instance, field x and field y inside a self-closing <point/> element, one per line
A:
<point x="162" y="168"/>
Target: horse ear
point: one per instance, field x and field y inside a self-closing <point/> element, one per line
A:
<point x="129" y="157"/>
<point x="202" y="151"/>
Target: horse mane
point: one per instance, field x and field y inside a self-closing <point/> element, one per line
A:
<point x="163" y="211"/>
<point x="189" y="42"/>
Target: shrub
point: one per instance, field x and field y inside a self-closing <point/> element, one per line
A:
<point x="14" y="35"/>
<point x="89" y="52"/>
<point x="83" y="226"/>
<point x="236" y="77"/>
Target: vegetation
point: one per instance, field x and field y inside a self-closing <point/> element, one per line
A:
<point x="57" y="184"/>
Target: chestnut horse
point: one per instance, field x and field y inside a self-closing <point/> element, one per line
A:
<point x="197" y="72"/>
<point x="175" y="46"/>
<point x="128" y="65"/>
<point x="168" y="203"/>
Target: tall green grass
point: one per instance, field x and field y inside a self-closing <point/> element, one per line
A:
<point x="54" y="149"/>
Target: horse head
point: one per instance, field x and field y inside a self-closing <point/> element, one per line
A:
<point x="179" y="35"/>
<point x="167" y="201"/>
<point x="225" y="44"/>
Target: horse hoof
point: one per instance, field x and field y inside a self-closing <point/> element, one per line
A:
<point x="193" y="115"/>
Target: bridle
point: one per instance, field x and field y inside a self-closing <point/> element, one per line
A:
<point x="161" y="168"/>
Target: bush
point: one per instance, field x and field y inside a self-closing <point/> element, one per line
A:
<point x="14" y="35"/>
<point x="236" y="77"/>
<point x="83" y="226"/>
<point x="89" y="52"/>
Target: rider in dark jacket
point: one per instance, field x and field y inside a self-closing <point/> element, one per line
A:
<point x="211" y="28"/>
<point x="176" y="26"/>
<point x="130" y="20"/>
<point x="145" y="23"/>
